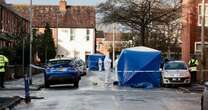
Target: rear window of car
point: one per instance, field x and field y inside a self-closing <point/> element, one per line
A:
<point x="55" y="62"/>
<point x="175" y="66"/>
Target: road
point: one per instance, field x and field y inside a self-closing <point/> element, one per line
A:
<point x="93" y="94"/>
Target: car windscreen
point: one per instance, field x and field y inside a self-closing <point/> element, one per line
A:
<point x="62" y="63"/>
<point x="175" y="66"/>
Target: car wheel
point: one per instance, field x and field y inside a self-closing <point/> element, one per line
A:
<point x="76" y="84"/>
<point x="167" y="85"/>
<point x="161" y="82"/>
<point x="84" y="73"/>
<point x="46" y="83"/>
<point x="188" y="85"/>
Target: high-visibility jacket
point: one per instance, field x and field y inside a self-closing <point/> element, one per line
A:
<point x="3" y="61"/>
<point x="193" y="64"/>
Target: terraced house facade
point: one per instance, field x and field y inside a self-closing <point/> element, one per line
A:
<point x="191" y="29"/>
<point x="12" y="26"/>
<point x="73" y="27"/>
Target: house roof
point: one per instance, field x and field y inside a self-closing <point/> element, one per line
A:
<point x="73" y="17"/>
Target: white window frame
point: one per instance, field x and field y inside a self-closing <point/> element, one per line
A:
<point x="200" y="15"/>
<point x="72" y="34"/>
<point x="198" y="49"/>
<point x="87" y="34"/>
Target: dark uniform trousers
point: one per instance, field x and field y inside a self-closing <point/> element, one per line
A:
<point x="193" y="76"/>
<point x="2" y="79"/>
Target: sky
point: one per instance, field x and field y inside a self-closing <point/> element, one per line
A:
<point x="55" y="2"/>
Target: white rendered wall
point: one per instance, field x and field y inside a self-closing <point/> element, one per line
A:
<point x="77" y="47"/>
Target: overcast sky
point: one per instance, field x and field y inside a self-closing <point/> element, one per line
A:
<point x="55" y="2"/>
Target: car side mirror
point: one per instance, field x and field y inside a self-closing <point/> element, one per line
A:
<point x="206" y="84"/>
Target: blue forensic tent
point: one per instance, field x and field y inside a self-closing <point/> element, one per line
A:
<point x="139" y="65"/>
<point x="92" y="61"/>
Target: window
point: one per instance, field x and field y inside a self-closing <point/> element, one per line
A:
<point x="64" y="31"/>
<point x="55" y="62"/>
<point x="72" y="34"/>
<point x="198" y="46"/>
<point x="200" y="14"/>
<point x="175" y="66"/>
<point x="78" y="11"/>
<point x="88" y="34"/>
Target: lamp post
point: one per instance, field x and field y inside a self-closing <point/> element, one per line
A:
<point x="202" y="42"/>
<point x="114" y="29"/>
<point x="57" y="25"/>
<point x="31" y="39"/>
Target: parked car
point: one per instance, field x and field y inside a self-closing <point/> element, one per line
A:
<point x="80" y="64"/>
<point x="204" y="99"/>
<point x="175" y="72"/>
<point x="62" y="71"/>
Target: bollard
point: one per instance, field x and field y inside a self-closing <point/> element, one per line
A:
<point x="27" y="90"/>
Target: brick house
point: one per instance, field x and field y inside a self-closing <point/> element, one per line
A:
<point x="73" y="27"/>
<point x="191" y="29"/>
<point x="11" y="26"/>
<point x="104" y="42"/>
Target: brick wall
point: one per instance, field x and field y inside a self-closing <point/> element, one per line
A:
<point x="11" y="22"/>
<point x="191" y="32"/>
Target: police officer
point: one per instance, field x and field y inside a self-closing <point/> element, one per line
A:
<point x="3" y="62"/>
<point x="193" y="62"/>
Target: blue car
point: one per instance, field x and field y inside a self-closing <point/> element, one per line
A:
<point x="62" y="71"/>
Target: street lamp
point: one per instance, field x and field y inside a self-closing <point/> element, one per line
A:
<point x="57" y="25"/>
<point x="31" y="39"/>
<point x="202" y="42"/>
<point x="113" y="43"/>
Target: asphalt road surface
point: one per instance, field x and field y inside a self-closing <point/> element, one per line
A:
<point x="93" y="94"/>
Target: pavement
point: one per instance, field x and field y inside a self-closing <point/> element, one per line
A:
<point x="18" y="84"/>
<point x="195" y="88"/>
<point x="13" y="92"/>
<point x="9" y="102"/>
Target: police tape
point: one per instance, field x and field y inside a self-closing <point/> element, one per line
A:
<point x="94" y="61"/>
<point x="149" y="71"/>
<point x="139" y="71"/>
<point x="37" y="67"/>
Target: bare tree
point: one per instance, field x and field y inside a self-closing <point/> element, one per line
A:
<point x="139" y="15"/>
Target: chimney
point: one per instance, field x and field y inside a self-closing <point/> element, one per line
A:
<point x="62" y="5"/>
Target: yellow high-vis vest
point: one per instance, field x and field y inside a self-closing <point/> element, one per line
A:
<point x="193" y="64"/>
<point x="3" y="61"/>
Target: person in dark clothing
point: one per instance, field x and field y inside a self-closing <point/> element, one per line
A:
<point x="193" y="63"/>
<point x="3" y="63"/>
